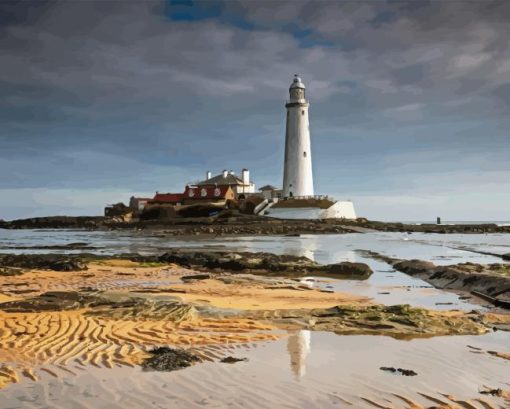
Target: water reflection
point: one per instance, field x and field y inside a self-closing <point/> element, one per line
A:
<point x="350" y="255"/>
<point x="304" y="246"/>
<point x="298" y="347"/>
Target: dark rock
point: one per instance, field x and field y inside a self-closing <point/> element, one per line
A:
<point x="489" y="282"/>
<point x="168" y="359"/>
<point x="347" y="269"/>
<point x="412" y="267"/>
<point x="196" y="277"/>
<point x="57" y="262"/>
<point x="56" y="222"/>
<point x="70" y="246"/>
<point x="407" y="372"/>
<point x="506" y="256"/>
<point x="266" y="263"/>
<point x="404" y="372"/>
<point x="233" y="360"/>
<point x="388" y="369"/>
<point x="63" y="300"/>
<point x="492" y="392"/>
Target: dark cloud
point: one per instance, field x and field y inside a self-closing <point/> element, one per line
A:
<point x="102" y="94"/>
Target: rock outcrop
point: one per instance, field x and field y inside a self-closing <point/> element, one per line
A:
<point x="56" y="262"/>
<point x="491" y="282"/>
<point x="264" y="263"/>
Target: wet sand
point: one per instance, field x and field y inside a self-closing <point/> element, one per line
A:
<point x="297" y="371"/>
<point x="50" y="340"/>
<point x="66" y="351"/>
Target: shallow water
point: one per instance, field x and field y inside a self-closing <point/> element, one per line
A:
<point x="324" y="248"/>
<point x="307" y="369"/>
<point x="385" y="286"/>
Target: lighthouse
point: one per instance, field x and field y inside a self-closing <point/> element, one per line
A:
<point x="297" y="171"/>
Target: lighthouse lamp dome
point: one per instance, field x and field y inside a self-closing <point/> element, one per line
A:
<point x="297" y="83"/>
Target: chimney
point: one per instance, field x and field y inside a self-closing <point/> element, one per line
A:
<point x="246" y="177"/>
<point x="225" y="173"/>
<point x="207" y="175"/>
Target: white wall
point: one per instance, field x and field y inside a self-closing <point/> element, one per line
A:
<point x="338" y="210"/>
<point x="297" y="174"/>
<point x="244" y="189"/>
<point x="295" y="213"/>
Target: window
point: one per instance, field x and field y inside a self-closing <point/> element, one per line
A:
<point x="304" y="154"/>
<point x="303" y="112"/>
<point x="290" y="194"/>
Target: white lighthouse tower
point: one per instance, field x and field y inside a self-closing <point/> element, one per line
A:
<point x="297" y="172"/>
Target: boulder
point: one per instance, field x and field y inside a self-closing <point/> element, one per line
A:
<point x="347" y="269"/>
<point x="413" y="267"/>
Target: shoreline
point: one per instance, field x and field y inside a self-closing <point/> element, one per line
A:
<point x="235" y="225"/>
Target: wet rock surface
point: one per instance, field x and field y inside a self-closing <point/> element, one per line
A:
<point x="491" y="282"/>
<point x="63" y="300"/>
<point x="266" y="263"/>
<point x="168" y="359"/>
<point x="103" y="304"/>
<point x="56" y="222"/>
<point x="70" y="246"/>
<point x="427" y="228"/>
<point x="397" y="321"/>
<point x="56" y="262"/>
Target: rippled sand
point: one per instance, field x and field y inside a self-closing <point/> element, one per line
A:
<point x="305" y="369"/>
<point x="89" y="358"/>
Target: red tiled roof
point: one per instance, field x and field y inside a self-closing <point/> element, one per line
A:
<point x="168" y="197"/>
<point x="206" y="192"/>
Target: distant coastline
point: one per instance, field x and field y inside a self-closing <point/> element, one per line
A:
<point x="455" y="222"/>
<point x="232" y="223"/>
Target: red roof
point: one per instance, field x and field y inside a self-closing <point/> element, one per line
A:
<point x="168" y="197"/>
<point x="206" y="192"/>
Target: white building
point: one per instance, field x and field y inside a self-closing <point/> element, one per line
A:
<point x="238" y="184"/>
<point x="298" y="200"/>
<point x="338" y="210"/>
<point x="297" y="171"/>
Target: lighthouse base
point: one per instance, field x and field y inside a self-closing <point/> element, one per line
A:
<point x="310" y="210"/>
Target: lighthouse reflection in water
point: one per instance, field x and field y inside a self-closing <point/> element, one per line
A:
<point x="298" y="347"/>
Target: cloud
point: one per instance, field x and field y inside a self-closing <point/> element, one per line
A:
<point x="145" y="95"/>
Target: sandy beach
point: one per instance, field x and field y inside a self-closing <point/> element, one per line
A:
<point x="112" y="313"/>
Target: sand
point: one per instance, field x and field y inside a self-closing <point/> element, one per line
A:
<point x="257" y="296"/>
<point x="36" y="345"/>
<point x="53" y="341"/>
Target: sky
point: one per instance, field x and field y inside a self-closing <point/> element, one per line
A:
<point x="409" y="101"/>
